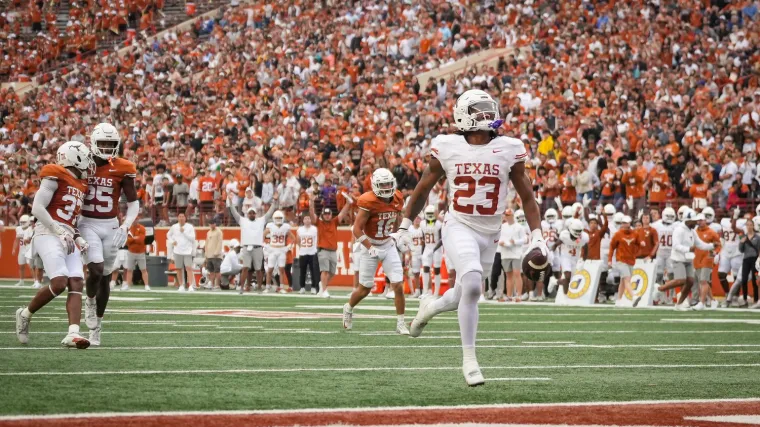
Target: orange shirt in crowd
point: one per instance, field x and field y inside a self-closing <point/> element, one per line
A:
<point x="136" y="239"/>
<point x="660" y="182"/>
<point x="634" y="183"/>
<point x="607" y="177"/>
<point x="698" y="191"/>
<point x="704" y="259"/>
<point x="327" y="234"/>
<point x="647" y="235"/>
<point x="624" y="245"/>
<point x="206" y="186"/>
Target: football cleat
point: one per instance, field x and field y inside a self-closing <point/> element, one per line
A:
<point x="472" y="374"/>
<point x="191" y="288"/>
<point x="90" y="314"/>
<point x="181" y="289"/>
<point x="699" y="307"/>
<point x="421" y="319"/>
<point x="124" y="286"/>
<point x="302" y="291"/>
<point x="95" y="335"/>
<point x="22" y="326"/>
<point x="325" y="294"/>
<point x="390" y="295"/>
<point x="74" y="340"/>
<point x="401" y="328"/>
<point x="313" y="291"/>
<point x="147" y="288"/>
<point x="348" y="317"/>
<point x="19" y="283"/>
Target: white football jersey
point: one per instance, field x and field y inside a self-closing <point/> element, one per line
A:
<point x="551" y="231"/>
<point x="20" y="232"/>
<point x="665" y="234"/>
<point x="607" y="239"/>
<point x="432" y="232"/>
<point x="572" y="247"/>
<point x="307" y="238"/>
<point x="418" y="239"/>
<point x="278" y="235"/>
<point x="730" y="239"/>
<point x="478" y="177"/>
<point x="714" y="226"/>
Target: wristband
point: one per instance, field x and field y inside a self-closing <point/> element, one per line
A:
<point x="405" y="224"/>
<point x="536" y="234"/>
<point x="361" y="239"/>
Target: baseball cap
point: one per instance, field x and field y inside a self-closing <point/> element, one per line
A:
<point x="251" y="209"/>
<point x="327" y="211"/>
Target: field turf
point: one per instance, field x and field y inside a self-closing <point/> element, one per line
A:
<point x="249" y="353"/>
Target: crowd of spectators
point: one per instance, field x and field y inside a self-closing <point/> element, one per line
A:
<point x="649" y="100"/>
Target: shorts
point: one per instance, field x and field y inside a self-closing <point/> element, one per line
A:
<point x="22" y="259"/>
<point x="54" y="258"/>
<point x="468" y="249"/>
<point x="704" y="275"/>
<point x="567" y="263"/>
<point x="35" y="262"/>
<point x="730" y="264"/>
<point x="136" y="260"/>
<point x="682" y="270"/>
<point x="391" y="263"/>
<point x="252" y="258"/>
<point x="431" y="258"/>
<point x="511" y="264"/>
<point x="328" y="261"/>
<point x="183" y="261"/>
<point x="416" y="264"/>
<point x="99" y="236"/>
<point x="213" y="265"/>
<point x="121" y="260"/>
<point x="276" y="257"/>
<point x="449" y="265"/>
<point x="624" y="270"/>
<point x="355" y="261"/>
<point x="662" y="264"/>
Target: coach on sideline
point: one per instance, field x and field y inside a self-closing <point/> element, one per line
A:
<point x="252" y="240"/>
<point x="327" y="242"/>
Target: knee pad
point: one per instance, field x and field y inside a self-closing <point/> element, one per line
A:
<point x="471" y="284"/>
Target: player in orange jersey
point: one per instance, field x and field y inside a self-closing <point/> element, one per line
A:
<point x="100" y="220"/>
<point x="374" y="228"/>
<point x="56" y="206"/>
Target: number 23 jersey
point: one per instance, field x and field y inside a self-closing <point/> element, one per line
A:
<point x="104" y="189"/>
<point x="478" y="176"/>
<point x="66" y="203"/>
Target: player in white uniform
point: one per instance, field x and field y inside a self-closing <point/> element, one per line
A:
<point x="418" y="244"/>
<point x="572" y="240"/>
<point x="730" y="257"/>
<point x="281" y="239"/>
<point x="550" y="227"/>
<point x="664" y="228"/>
<point x="433" y="254"/>
<point x="19" y="247"/>
<point x="478" y="165"/>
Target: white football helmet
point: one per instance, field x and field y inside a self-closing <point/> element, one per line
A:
<point x="626" y="220"/>
<point x="681" y="211"/>
<point x="567" y="212"/>
<point x="520" y="216"/>
<point x="24" y="221"/>
<point x="105" y="133"/>
<point x="709" y="214"/>
<point x="430" y="213"/>
<point x="689" y="215"/>
<point x="577" y="207"/>
<point x="551" y="216"/>
<point x="609" y="209"/>
<point x="618" y="218"/>
<point x="668" y="215"/>
<point x="77" y="155"/>
<point x="278" y="218"/>
<point x="575" y="227"/>
<point x="234" y="244"/>
<point x="383" y="183"/>
<point x="476" y="110"/>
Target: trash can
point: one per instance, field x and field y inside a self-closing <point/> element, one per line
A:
<point x="156" y="266"/>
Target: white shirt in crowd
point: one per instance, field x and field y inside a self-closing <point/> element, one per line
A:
<point x="512" y="232"/>
<point x="307" y="240"/>
<point x="184" y="239"/>
<point x="230" y="263"/>
<point x="729" y="169"/>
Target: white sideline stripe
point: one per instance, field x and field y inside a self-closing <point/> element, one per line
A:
<point x="520" y="379"/>
<point x="364" y="409"/>
<point x="548" y="342"/>
<point x="737" y="419"/>
<point x="581" y="332"/>
<point x="706" y="320"/>
<point x="268" y="331"/>
<point x="362" y="369"/>
<point x="404" y="347"/>
<point x="739" y="352"/>
<point x="678" y="349"/>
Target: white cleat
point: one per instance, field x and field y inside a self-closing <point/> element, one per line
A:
<point x="472" y="374"/>
<point x="95" y="335"/>
<point x="19" y="283"/>
<point x="283" y="291"/>
<point x="74" y="340"/>
<point x="302" y="291"/>
<point x="682" y="307"/>
<point x="191" y="288"/>
<point x="325" y="294"/>
<point x="22" y="327"/>
<point x="699" y="307"/>
<point x="112" y="285"/>
<point x="124" y="287"/>
<point x="181" y="289"/>
<point x="401" y="328"/>
<point x="90" y="314"/>
<point x="422" y="318"/>
<point x="756" y="305"/>
<point x="390" y="295"/>
<point x="713" y="304"/>
<point x="147" y="288"/>
<point x="314" y="291"/>
<point x="348" y="317"/>
<point x="37" y="285"/>
<point x="266" y="290"/>
<point x="552" y="285"/>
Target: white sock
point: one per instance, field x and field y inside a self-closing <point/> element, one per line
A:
<point x="91" y="300"/>
<point x="425" y="281"/>
<point x="73" y="329"/>
<point x="113" y="283"/>
<point x="350" y="309"/>
<point x="26" y="313"/>
<point x="437" y="282"/>
<point x="400" y="318"/>
<point x="448" y="302"/>
<point x="467" y="311"/>
<point x="468" y="354"/>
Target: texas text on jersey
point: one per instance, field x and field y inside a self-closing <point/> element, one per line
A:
<point x="478" y="177"/>
<point x="383" y="216"/>
<point x="67" y="200"/>
<point x="104" y="189"/>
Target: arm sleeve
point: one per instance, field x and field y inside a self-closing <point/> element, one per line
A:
<point x="677" y="242"/>
<point x="132" y="210"/>
<point x="701" y="244"/>
<point x="42" y="200"/>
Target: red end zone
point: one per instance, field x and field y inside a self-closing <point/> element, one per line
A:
<point x="683" y="413"/>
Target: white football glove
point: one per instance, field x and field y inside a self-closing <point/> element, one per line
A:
<point x="716" y="259"/>
<point x="377" y="252"/>
<point x="537" y="241"/>
<point x="67" y="240"/>
<point x="403" y="241"/>
<point x="558" y="201"/>
<point x="629" y="203"/>
<point x="82" y="244"/>
<point x="586" y="200"/>
<point x="120" y="237"/>
<point x="737" y="212"/>
<point x="689" y="256"/>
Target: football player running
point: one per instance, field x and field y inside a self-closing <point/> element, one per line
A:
<point x="664" y="228"/>
<point x="374" y="228"/>
<point x="56" y="206"/>
<point x="478" y="164"/>
<point x="99" y="224"/>
<point x="572" y="240"/>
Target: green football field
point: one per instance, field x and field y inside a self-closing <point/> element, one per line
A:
<point x="164" y="351"/>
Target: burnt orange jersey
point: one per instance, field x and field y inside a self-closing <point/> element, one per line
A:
<point x="649" y="236"/>
<point x="383" y="216"/>
<point x="67" y="200"/>
<point x="704" y="259"/>
<point x="104" y="189"/>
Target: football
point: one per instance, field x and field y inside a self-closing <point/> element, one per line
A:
<point x="535" y="265"/>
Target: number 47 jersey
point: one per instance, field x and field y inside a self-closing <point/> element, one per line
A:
<point x="478" y="176"/>
<point x="104" y="189"/>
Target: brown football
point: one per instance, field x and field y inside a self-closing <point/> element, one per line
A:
<point x="535" y="265"/>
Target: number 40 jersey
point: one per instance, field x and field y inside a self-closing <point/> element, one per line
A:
<point x="104" y="189"/>
<point x="478" y="176"/>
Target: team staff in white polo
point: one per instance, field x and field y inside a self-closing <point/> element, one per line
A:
<point x="252" y="240"/>
<point x="182" y="234"/>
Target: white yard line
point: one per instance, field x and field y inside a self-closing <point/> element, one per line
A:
<point x="739" y="352"/>
<point x="520" y="379"/>
<point x="678" y="349"/>
<point x="548" y="342"/>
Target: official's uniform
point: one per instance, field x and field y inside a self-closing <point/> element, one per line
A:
<point x="418" y="243"/>
<point x="478" y="177"/>
<point x="100" y="213"/>
<point x="383" y="218"/>
<point x="431" y="232"/>
<point x="278" y="251"/>
<point x="64" y="208"/>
